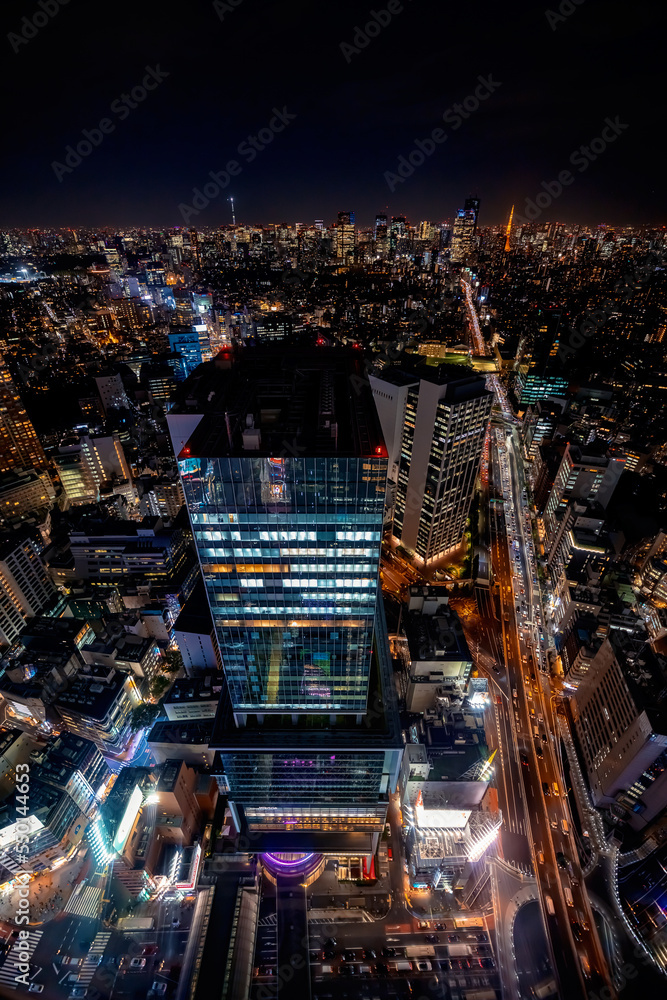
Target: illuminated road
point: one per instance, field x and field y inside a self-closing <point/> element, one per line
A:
<point x="565" y="905"/>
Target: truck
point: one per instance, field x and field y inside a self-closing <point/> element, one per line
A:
<point x="546" y="988"/>
<point x="327" y="970"/>
<point x="420" y="951"/>
<point x="564" y="827"/>
<point x="401" y="966"/>
<point x="568" y="895"/>
<point x="459" y="950"/>
<point x="551" y="910"/>
<point x="126" y="924"/>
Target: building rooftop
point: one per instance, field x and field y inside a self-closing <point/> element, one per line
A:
<point x="276" y="400"/>
<point x="436" y="637"/>
<point x="92" y="692"/>
<point x="205" y="688"/>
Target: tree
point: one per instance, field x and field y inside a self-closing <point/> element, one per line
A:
<point x="143" y="716"/>
<point x="172" y="662"/>
<point x="159" y="686"/>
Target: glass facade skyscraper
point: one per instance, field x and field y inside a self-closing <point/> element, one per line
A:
<point x="290" y="552"/>
<point x="284" y="470"/>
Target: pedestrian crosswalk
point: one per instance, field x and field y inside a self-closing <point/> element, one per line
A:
<point x="90" y="963"/>
<point x="9" y="971"/>
<point x="84" y="901"/>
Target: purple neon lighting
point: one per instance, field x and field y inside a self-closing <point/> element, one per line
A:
<point x="289" y="864"/>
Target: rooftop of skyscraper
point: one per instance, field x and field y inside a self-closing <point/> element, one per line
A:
<point x="282" y="400"/>
<point x="463" y="382"/>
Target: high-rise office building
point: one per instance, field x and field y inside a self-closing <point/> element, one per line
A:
<point x="472" y="205"/>
<point x="26" y="588"/>
<point x="345" y="237"/>
<point x="112" y="392"/>
<point x="85" y="465"/>
<point x="445" y="412"/>
<point x="464" y="232"/>
<point x="19" y="445"/>
<point x="186" y="344"/>
<point x="284" y="471"/>
<point x="397" y="232"/>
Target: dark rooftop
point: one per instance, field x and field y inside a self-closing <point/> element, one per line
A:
<point x="276" y="400"/>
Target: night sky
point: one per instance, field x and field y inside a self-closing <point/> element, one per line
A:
<point x="354" y="116"/>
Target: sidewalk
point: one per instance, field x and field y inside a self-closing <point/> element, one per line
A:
<point x="48" y="892"/>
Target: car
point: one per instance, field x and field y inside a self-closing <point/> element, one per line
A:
<point x="545" y="738"/>
<point x="389" y="952"/>
<point x="439" y="927"/>
<point x="432" y="938"/>
<point x="159" y="988"/>
<point x="36" y="988"/>
<point x="382" y="969"/>
<point x="150" y="949"/>
<point x="562" y="860"/>
<point x="328" y="953"/>
<point x="390" y="854"/>
<point x="424" y="966"/>
<point x="77" y="992"/>
<point x="538" y="751"/>
<point x="370" y="953"/>
<point x="138" y="963"/>
<point x="348" y="956"/>
<point x="545" y="789"/>
<point x="453" y="938"/>
<point x="330" y="942"/>
<point x="576" y="930"/>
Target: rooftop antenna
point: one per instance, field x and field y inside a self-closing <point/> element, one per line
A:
<point x="233" y="215"/>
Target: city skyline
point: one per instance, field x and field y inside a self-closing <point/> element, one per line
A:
<point x="333" y="501"/>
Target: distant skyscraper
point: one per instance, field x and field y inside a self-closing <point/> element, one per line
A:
<point x="112" y="392"/>
<point x="19" y="445"/>
<point x="187" y="343"/>
<point x="381" y="226"/>
<point x="345" y="237"/>
<point x="284" y="471"/>
<point x="446" y="412"/>
<point x="397" y="231"/>
<point x="465" y="230"/>
<point x="472" y="205"/>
